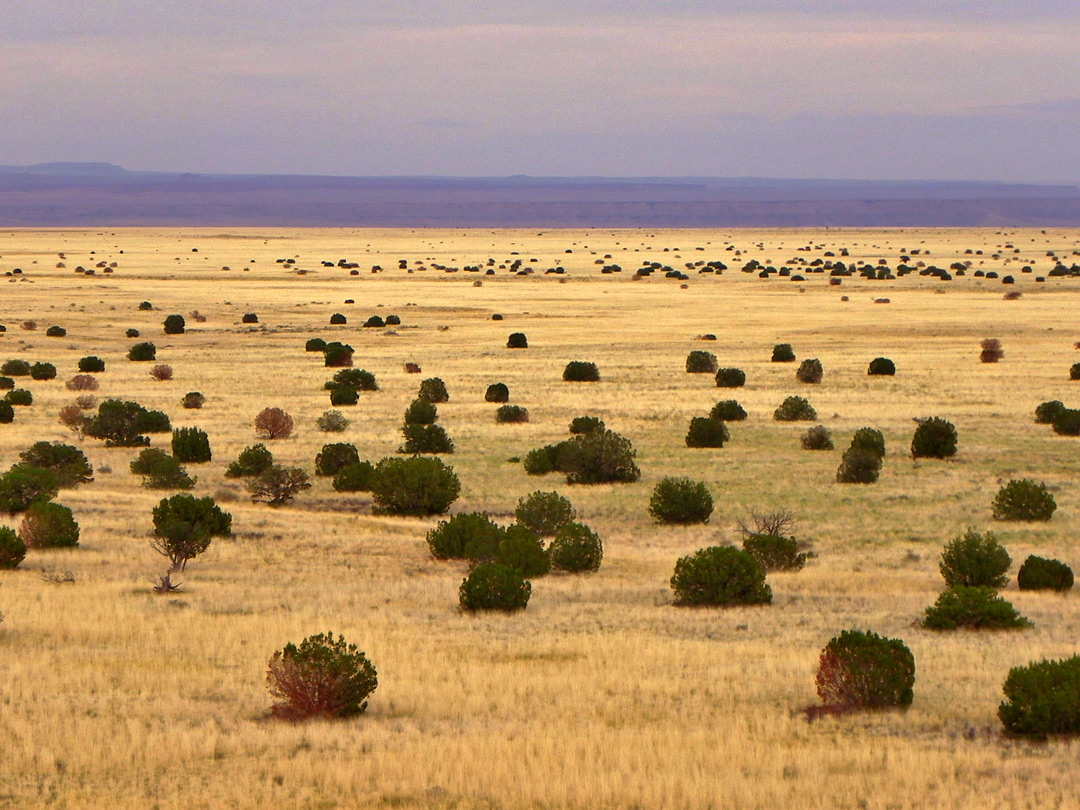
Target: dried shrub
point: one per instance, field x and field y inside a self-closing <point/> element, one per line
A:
<point x="82" y="382"/>
<point x="323" y="677"/>
<point x="71" y="417"/>
<point x="817" y="438"/>
<point x="866" y="671"/>
<point x="991" y="350"/>
<point x="161" y="372"/>
<point x="273" y="423"/>
<point x="86" y="402"/>
<point x="332" y="422"/>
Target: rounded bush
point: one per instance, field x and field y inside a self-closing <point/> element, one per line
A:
<point x="393" y="320"/>
<point x="1067" y="423"/>
<point x="497" y="392"/>
<point x="1042" y="699"/>
<point x="540" y="461"/>
<point x="191" y="445"/>
<point x="1023" y="500"/>
<point x="160" y="470"/>
<point x="817" y="438"/>
<point x="492" y="586"/>
<point x="783" y="353"/>
<point x="15" y="368"/>
<point x="332" y="422"/>
<point x="131" y="333"/>
<point x="323" y="677"/>
<point x="775" y="552"/>
<point x="185" y="526"/>
<point x="82" y="382"/>
<point x="374" y="322"/>
<point x="49" y="525"/>
<point x="720" y="575"/>
<point x="881" y="367"/>
<point x="335" y="457"/>
<point x="869" y="439"/>
<point x="586" y="424"/>
<point x="730" y="378"/>
<point x="858" y="466"/>
<point x="974" y="607"/>
<point x="6" y="383"/>
<point x="43" y="371"/>
<point x="413" y="486"/>
<point x="701" y="362"/>
<point x="576" y="548"/>
<point x="865" y="670"/>
<point x="795" y="409"/>
<point x="337" y="355"/>
<point x="511" y="413"/>
<point x="7" y="413"/>
<point x="142" y="352"/>
<point x="337" y="319"/>
<point x="600" y="457"/>
<point x="991" y="350"/>
<point x="20" y="397"/>
<point x="55" y="331"/>
<point x="69" y="464"/>
<point x="344" y="395"/>
<point x="809" y="371"/>
<point x="433" y="390"/>
<point x="1039" y="574"/>
<point x="24" y="485"/>
<point x="252" y="461"/>
<point x="706" y="432"/>
<point x="934" y="438"/>
<point x="421" y="412"/>
<point x="123" y="423"/>
<point x="250" y="317"/>
<point x="517" y="340"/>
<point x="315" y="345"/>
<point x="469" y="535"/>
<point x="1074" y="371"/>
<point x="425" y="439"/>
<point x="12" y="548"/>
<point x="680" y="500"/>
<point x="193" y="400"/>
<point x="273" y="423"/>
<point x="1048" y="412"/>
<point x="356" y="378"/>
<point x="581" y="371"/>
<point x="174" y="325"/>
<point x="356" y="477"/>
<point x="727" y="410"/>
<point x="145" y="306"/>
<point x="975" y="559"/>
<point x="522" y="550"/>
<point x="544" y="512"/>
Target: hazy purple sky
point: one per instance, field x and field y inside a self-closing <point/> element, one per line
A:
<point x="777" y="88"/>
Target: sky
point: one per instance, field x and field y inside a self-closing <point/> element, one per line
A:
<point x="849" y="89"/>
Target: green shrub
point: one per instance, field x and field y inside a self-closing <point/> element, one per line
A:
<point x="870" y="440"/>
<point x="730" y="378"/>
<point x="581" y="371"/>
<point x="776" y="553"/>
<point x="468" y="531"/>
<point x="323" y="677"/>
<point x="795" y="409"/>
<point x="356" y="378"/>
<point x="975" y="559"/>
<point x="680" y="500"/>
<point x="858" y="466"/>
<point x="142" y="352"/>
<point x="542" y="460"/>
<point x="881" y="366"/>
<point x="6" y="383"/>
<point x="576" y="548"/>
<point x="191" y="445"/>
<point x="809" y="371"/>
<point x="193" y="400"/>
<point x="817" y="438"/>
<point x="421" y="412"/>
<point x="974" y="607"/>
<point x="12" y="548"/>
<point x="122" y="423"/>
<point x="7" y="413"/>
<point x="337" y="319"/>
<point x="333" y="458"/>
<point x="783" y="353"/>
<point x="511" y="414"/>
<point x="374" y="322"/>
<point x="332" y="422"/>
<point x="413" y="486"/>
<point x="252" y="461"/>
<point x="49" y="525"/>
<point x="160" y="470"/>
<point x="425" y="439"/>
<point x="68" y="463"/>
<point x="706" y="432"/>
<point x="43" y="371"/>
<point x="522" y="550"/>
<point x="700" y="362"/>
<point x="1067" y="423"/>
<point x="315" y="345"/>
<point x="934" y="438"/>
<point x="19" y="397"/>
<point x="185" y="525"/>
<point x="497" y="392"/>
<point x="727" y="410"/>
<point x="433" y="390"/>
<point x="131" y="333"/>
<point x="145" y="306"/>
<point x="55" y="331"/>
<point x="154" y="422"/>
<point x="544" y="512"/>
<point x="492" y="586"/>
<point x="1039" y="574"/>
<point x="174" y="325"/>
<point x="517" y="340"/>
<point x="278" y="485"/>
<point x="15" y="368"/>
<point x="1047" y="412"/>
<point x="1042" y="698"/>
<point x="867" y="671"/>
<point x="1023" y="500"/>
<point x="720" y="575"/>
<point x="337" y="355"/>
<point x="586" y="424"/>
<point x="24" y="485"/>
<point x="343" y="395"/>
<point x="600" y="457"/>
<point x="356" y="477"/>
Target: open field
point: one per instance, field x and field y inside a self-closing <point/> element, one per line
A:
<point x="601" y="694"/>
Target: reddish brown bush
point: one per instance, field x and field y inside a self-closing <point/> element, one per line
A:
<point x="82" y="382"/>
<point x="29" y="326"/>
<point x="86" y="402"/>
<point x="273" y="423"/>
<point x="412" y="368"/>
<point x="161" y="372"/>
<point x="71" y="417"/>
<point x="991" y="350"/>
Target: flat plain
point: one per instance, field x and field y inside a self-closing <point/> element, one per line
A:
<point x="601" y="694"/>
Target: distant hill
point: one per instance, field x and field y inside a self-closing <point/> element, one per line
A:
<point x="102" y="194"/>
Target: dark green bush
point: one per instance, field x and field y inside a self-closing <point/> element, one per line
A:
<point x="193" y="400"/>
<point x="354" y="477"/>
<point x="783" y="353"/>
<point x="15" y="368"/>
<point x="55" y="331"/>
<point x="154" y="422"/>
<point x="544" y="512"/>
<point x="517" y="340"/>
<point x="252" y="461"/>
<point x="776" y="553"/>
<point x="122" y="423"/>
<point x="975" y="559"/>
<point x="315" y="345"/>
<point x="1023" y="500"/>
<point x="581" y="371"/>
<point x="160" y="470"/>
<point x="131" y="333"/>
<point x="1067" y="423"/>
<point x="934" y="438"/>
<point x="817" y="438"/>
<point x="706" y="432"/>
<point x="600" y="457"/>
<point x="343" y="395"/>
<point x="1039" y="574"/>
<point x="250" y="317"/>
<point x="870" y="440"/>
<point x="1042" y="699"/>
<point x="512" y="413"/>
<point x="43" y="371"/>
<point x="522" y="550"/>
<point x="575" y="548"/>
<point x="145" y="306"/>
<point x="191" y="445"/>
<point x="466" y="532"/>
<point x="720" y="575"/>
<point x="337" y="319"/>
<point x="727" y="410"/>
<point x="68" y="463"/>
<point x="335" y="457"/>
<point x="184" y="526"/>
<point x="730" y="378"/>
<point x="680" y="500"/>
<point x="1074" y="371"/>
<point x="12" y="549"/>
<point x="795" y="409"/>
<point x="413" y="486"/>
<point x="492" y="586"/>
<point x="1048" y="412"/>
<point x="277" y="485"/>
<point x="7" y="413"/>
<point x="6" y="383"/>
<point x="858" y="466"/>
<point x="586" y="424"/>
<point x="974" y="607"/>
<point x="20" y="397"/>
<point x="393" y="320"/>
<point x="867" y="671"/>
<point x="421" y="412"/>
<point x="337" y="355"/>
<point x="700" y="362"/>
<point x="809" y="371"/>
<point x="49" y="525"/>
<point x="881" y="366"/>
<point x="142" y="352"/>
<point x="433" y="390"/>
<point x="542" y="460"/>
<point x="323" y="677"/>
<point x="374" y="322"/>
<point x="23" y="485"/>
<point x="174" y="325"/>
<point x="497" y="392"/>
<point x="356" y="378"/>
<point x="425" y="439"/>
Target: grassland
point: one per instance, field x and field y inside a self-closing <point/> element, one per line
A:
<point x="600" y="694"/>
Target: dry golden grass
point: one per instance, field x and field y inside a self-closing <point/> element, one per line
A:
<point x="601" y="694"/>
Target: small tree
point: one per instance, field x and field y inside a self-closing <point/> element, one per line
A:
<point x="323" y="677"/>
<point x="193" y="400"/>
<point x="337" y="355"/>
<point x="991" y="350"/>
<point x="122" y="423"/>
<point x="1024" y="500"/>
<point x="680" y="500"/>
<point x="43" y="371"/>
<point x="7" y="414"/>
<point x="161" y="471"/>
<point x="421" y="412"/>
<point x="468" y="535"/>
<point x="354" y="477"/>
<point x="858" y="466"/>
<point x="334" y="457"/>
<point x="1047" y="412"/>
<point x="866" y="671"/>
<point x="776" y="553"/>
<point x="425" y="439"/>
<point x="973" y="607"/>
<point x="184" y="526"/>
<point x="23" y="485"/>
<point x="576" y="548"/>
<point x="273" y="423"/>
<point x="315" y="345"/>
<point x="278" y="485"/>
<point x="1042" y="698"/>
<point x="358" y="378"/>
<point x="191" y="445"/>
<point x="975" y="559"/>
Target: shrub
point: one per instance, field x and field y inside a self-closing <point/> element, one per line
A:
<point x="730" y="378"/>
<point x="315" y="345"/>
<point x="12" y="548"/>
<point x="544" y="512"/>
<point x="1074" y="371"/>
<point x="184" y="526"/>
<point x="512" y="413"/>
<point x="727" y="410"/>
<point x="413" y="486"/>
<point x="680" y="500"/>
<point x="356" y="378"/>
<point x="991" y="350"/>
<point x="934" y="438"/>
<point x="433" y="390"/>
<point x="337" y="355"/>
<point x="161" y="372"/>
<point x="252" y="461"/>
<point x="1067" y="423"/>
<point x="250" y="317"/>
<point x="421" y="412"/>
<point x="975" y="559"/>
<point x="776" y="553"/>
<point x="154" y="422"/>
<point x="521" y="549"/>
<point x="492" y="586"/>
<point x="783" y="353"/>
<point x="24" y="485"/>
<point x="974" y="607"/>
<point x="497" y="392"/>
<point x="469" y="535"/>
<point x="174" y="325"/>
<point x="131" y="333"/>
<point x="86" y="403"/>
<point x="374" y="322"/>
<point x="421" y="439"/>
<point x="1048" y="412"/>
<point x="193" y="400"/>
<point x="49" y="525"/>
<point x="1042" y="698"/>
<point x="354" y="477"/>
<point x="517" y="340"/>
<point x="7" y="413"/>
<point x="68" y="463"/>
<point x="335" y="457"/>
<point x="55" y="331"/>
<point x="700" y="362"/>
<point x="43" y="371"/>
<point x="1023" y="500"/>
<point x="191" y="445"/>
<point x="720" y="575"/>
<point x="142" y="352"/>
<point x="1039" y="574"/>
<point x="20" y="397"/>
<point x="332" y="422"/>
<point x="882" y="367"/>
<point x="809" y="371"/>
<point x="6" y="383"/>
<point x="599" y="457"/>
<point x="586" y="424"/>
<point x="866" y="670"/>
<point x="160" y="470"/>
<point x="121" y="423"/>
<point x="706" y="432"/>
<point x="15" y="368"/>
<point x="273" y="423"/>
<point x="795" y="409"/>
<point x="858" y="466"/>
<point x="542" y="460"/>
<point x="817" y="438"/>
<point x="323" y="677"/>
<point x="576" y="548"/>
<point x="70" y="416"/>
<point x="870" y="440"/>
<point x="82" y="382"/>
<point x="145" y="306"/>
<point x="343" y="395"/>
<point x="581" y="371"/>
<point x="278" y="485"/>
